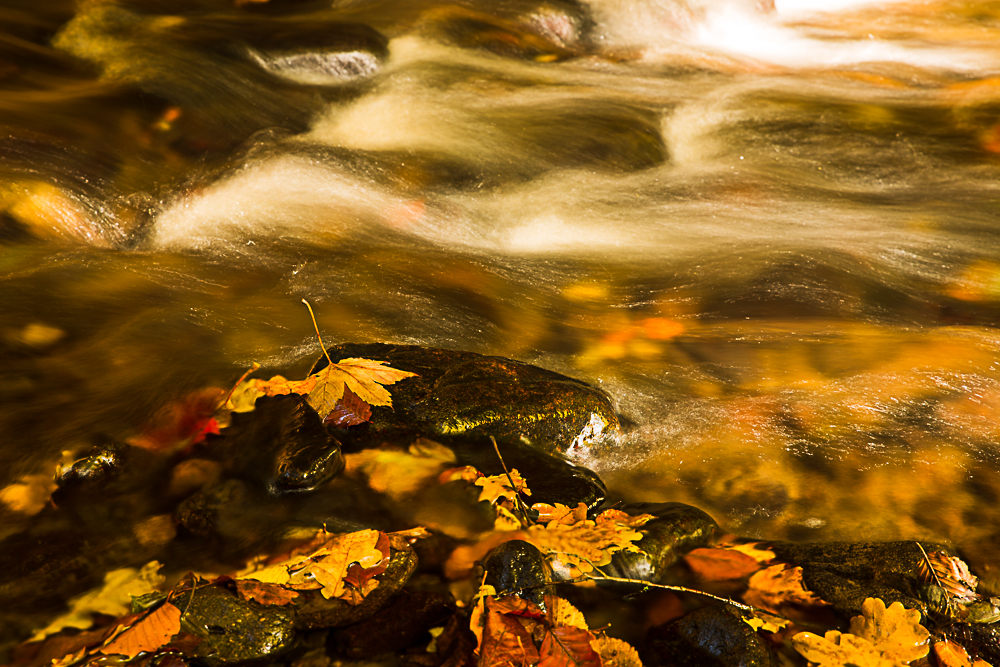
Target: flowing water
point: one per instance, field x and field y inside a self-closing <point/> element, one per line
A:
<point x="768" y="232"/>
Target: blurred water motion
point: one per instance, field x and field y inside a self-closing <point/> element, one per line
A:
<point x="768" y="232"/>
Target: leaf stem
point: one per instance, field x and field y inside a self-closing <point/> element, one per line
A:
<point x="322" y="345"/>
<point x="243" y="377"/>
<point x="522" y="510"/>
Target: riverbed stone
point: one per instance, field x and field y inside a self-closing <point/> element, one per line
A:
<point x="232" y="630"/>
<point x="518" y="568"/>
<point x="714" y="636"/>
<point x="464" y="393"/>
<point x="846" y="573"/>
<point x="396" y="626"/>
<point x="677" y="529"/>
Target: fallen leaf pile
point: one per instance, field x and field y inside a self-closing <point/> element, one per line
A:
<point x="514" y="632"/>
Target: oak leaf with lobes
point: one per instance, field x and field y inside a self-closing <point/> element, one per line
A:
<point x="324" y="389"/>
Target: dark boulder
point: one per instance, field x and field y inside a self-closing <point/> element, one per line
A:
<point x="715" y="636"/>
<point x="463" y="393"/>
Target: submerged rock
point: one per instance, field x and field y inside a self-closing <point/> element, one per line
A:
<point x="463" y="393"/>
<point x="283" y="445"/>
<point x="395" y="627"/>
<point x="677" y="529"/>
<point x="713" y="636"/>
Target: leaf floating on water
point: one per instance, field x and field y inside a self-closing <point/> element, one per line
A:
<point x="560" y="513"/>
<point x="148" y="634"/>
<point x="400" y="473"/>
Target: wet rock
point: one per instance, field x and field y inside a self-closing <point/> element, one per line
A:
<point x="846" y="573"/>
<point x="397" y="626"/>
<point x="283" y="445"/>
<point x="233" y="630"/>
<point x="463" y="393"/>
<point x="713" y="636"/>
<point x="313" y="611"/>
<point x="677" y="529"/>
<point x="518" y="568"/>
<point x="551" y="478"/>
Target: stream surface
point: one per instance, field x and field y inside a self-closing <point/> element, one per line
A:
<point x="770" y="234"/>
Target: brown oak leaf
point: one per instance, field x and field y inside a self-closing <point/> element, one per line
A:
<point x="271" y="594"/>
<point x="568" y="646"/>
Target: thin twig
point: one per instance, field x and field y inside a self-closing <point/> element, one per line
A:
<point x="518" y="503"/>
<point x="322" y="345"/>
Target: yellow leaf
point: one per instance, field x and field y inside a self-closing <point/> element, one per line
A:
<point x="324" y="388"/>
<point x="895" y="631"/>
<point x="759" y="555"/>
<point x="496" y="487"/>
<point x="29" y="495"/>
<point x="328" y="566"/>
<point x="766" y="622"/>
<point x="840" y="650"/>
<point x="616" y="653"/>
<point x="580" y="547"/>
<point x="562" y="613"/>
<point x="276" y="574"/>
<point x="506" y="521"/>
<point x="398" y="473"/>
<point x="114" y="598"/>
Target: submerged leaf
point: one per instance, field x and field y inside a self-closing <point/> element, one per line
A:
<point x="779" y="585"/>
<point x="616" y="652"/>
<point x="568" y="646"/>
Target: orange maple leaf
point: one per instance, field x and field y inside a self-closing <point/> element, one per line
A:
<point x="496" y="487"/>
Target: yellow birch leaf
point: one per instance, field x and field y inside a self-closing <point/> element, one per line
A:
<point x="562" y="613"/>
<point x="616" y="652"/>
<point x="895" y="631"/>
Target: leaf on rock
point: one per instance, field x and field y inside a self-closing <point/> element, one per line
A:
<point x="779" y="585"/>
<point x="362" y="579"/>
<point x="325" y="388"/>
<point x="148" y="634"/>
<point x="350" y="411"/>
<point x="895" y="631"/>
<point x="497" y="487"/>
<point x="715" y="564"/>
<point x="616" y="652"/>
<point x="840" y="650"/>
<point x="950" y="654"/>
<point x="269" y="594"/>
<point x="464" y="474"/>
<point x="329" y="565"/>
<point x="952" y="573"/>
<point x="568" y="646"/>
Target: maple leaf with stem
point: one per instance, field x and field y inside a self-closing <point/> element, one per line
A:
<point x="325" y="389"/>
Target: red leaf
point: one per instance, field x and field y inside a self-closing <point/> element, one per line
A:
<point x="720" y="564"/>
<point x="568" y="646"/>
<point x="350" y="411"/>
<point x="506" y="643"/>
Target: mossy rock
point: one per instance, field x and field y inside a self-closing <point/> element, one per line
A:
<point x="846" y="573"/>
<point x="713" y="636"/>
<point x="468" y="394"/>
